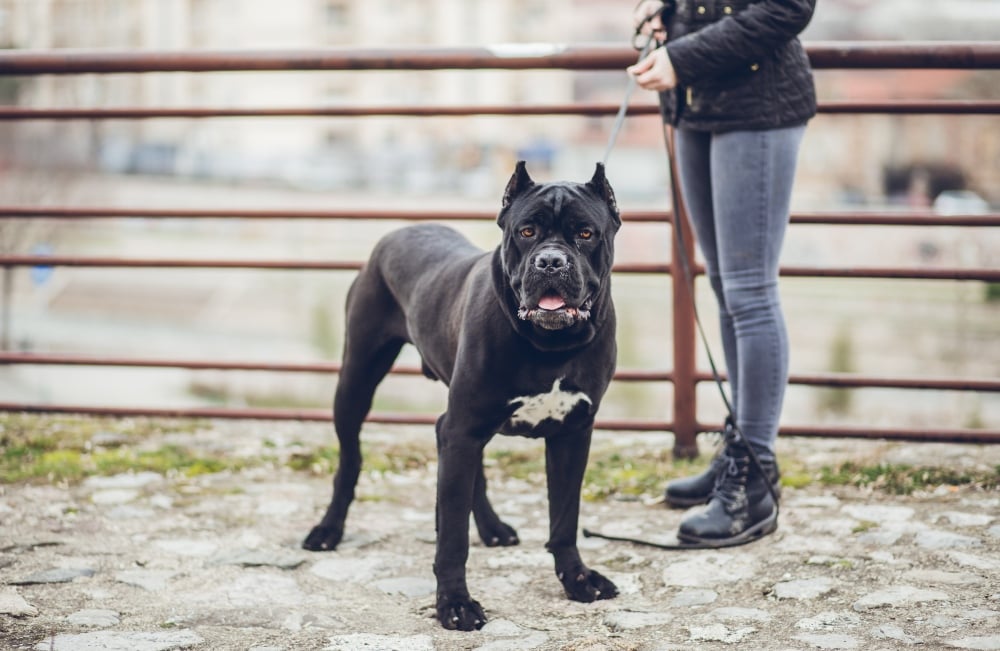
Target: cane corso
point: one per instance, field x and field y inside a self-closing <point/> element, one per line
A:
<point x="523" y="336"/>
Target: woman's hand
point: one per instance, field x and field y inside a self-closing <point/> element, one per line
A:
<point x="646" y="19"/>
<point x="655" y="72"/>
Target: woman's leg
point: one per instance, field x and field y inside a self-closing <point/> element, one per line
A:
<point x="737" y="189"/>
<point x="694" y="166"/>
<point x="752" y="174"/>
<point x="695" y="177"/>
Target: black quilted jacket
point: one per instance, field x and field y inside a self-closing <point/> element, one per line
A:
<point x="739" y="64"/>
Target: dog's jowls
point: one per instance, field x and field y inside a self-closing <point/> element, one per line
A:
<point x="524" y="337"/>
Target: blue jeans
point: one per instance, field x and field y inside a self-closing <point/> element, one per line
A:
<point x="737" y="187"/>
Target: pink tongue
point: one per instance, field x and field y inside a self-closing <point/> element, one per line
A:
<point x="551" y="302"/>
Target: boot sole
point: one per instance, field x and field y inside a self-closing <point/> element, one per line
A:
<point x="766" y="526"/>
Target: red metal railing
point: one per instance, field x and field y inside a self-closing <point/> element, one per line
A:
<point x="900" y="107"/>
<point x="841" y="55"/>
<point x="685" y="376"/>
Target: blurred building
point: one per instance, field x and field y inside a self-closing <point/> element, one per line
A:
<point x="304" y="149"/>
<point x="864" y="159"/>
<point x="904" y="159"/>
<point x="846" y="158"/>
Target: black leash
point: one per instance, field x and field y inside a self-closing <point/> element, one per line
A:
<point x="623" y="109"/>
<point x="680" y="545"/>
<point x="680" y="248"/>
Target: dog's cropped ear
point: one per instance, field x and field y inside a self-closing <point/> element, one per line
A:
<point x="599" y="184"/>
<point x="518" y="183"/>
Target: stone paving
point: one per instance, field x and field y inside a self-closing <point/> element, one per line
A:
<point x="145" y="562"/>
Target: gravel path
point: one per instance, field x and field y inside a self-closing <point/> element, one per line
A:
<point x="145" y="562"/>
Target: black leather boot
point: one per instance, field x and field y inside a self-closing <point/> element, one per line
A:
<point x="742" y="507"/>
<point x="692" y="491"/>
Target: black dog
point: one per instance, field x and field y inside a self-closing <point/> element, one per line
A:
<point x="524" y="337"/>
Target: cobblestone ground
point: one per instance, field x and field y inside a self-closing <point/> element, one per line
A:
<point x="143" y="562"/>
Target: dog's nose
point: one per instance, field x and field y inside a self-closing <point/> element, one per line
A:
<point x="551" y="260"/>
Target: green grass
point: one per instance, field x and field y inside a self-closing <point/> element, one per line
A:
<point x="622" y="474"/>
<point x="320" y="461"/>
<point x="42" y="448"/>
<point x="902" y="479"/>
<point x="62" y="465"/>
<point x="62" y="448"/>
<point x="398" y="458"/>
<point x="617" y="473"/>
<point x="323" y="460"/>
<point x="863" y="526"/>
<point x="519" y="464"/>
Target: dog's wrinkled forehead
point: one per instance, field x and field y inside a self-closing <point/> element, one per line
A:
<point x="560" y="201"/>
<point x="594" y="199"/>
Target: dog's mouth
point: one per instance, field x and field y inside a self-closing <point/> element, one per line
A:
<point x="551" y="301"/>
<point x="553" y="313"/>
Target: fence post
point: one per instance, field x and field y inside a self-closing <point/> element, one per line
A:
<point x="5" y="306"/>
<point x="685" y="404"/>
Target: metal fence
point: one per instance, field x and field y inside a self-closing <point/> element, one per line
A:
<point x="685" y="376"/>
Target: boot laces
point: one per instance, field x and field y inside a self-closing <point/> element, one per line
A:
<point x="731" y="483"/>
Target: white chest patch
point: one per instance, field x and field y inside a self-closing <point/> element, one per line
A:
<point x="554" y="404"/>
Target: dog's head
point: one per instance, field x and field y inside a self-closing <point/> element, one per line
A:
<point x="557" y="248"/>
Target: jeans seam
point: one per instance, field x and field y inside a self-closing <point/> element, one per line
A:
<point x="767" y="191"/>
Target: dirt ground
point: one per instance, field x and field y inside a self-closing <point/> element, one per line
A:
<point x="150" y="561"/>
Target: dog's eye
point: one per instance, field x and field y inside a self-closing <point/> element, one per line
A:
<point x="527" y="231"/>
<point x="585" y="234"/>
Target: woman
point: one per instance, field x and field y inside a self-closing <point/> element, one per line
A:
<point x="736" y="84"/>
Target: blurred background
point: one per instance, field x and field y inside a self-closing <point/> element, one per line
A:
<point x="941" y="163"/>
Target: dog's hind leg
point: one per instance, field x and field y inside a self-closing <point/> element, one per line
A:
<point x="372" y="343"/>
<point x="493" y="531"/>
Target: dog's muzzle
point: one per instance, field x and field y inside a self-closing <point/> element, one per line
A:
<point x="549" y="283"/>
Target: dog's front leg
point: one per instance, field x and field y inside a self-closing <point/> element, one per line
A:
<point x="458" y="457"/>
<point x="565" y="463"/>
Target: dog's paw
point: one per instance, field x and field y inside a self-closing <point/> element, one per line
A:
<point x="498" y="534"/>
<point x="323" y="539"/>
<point x="460" y="613"/>
<point x="586" y="585"/>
